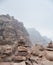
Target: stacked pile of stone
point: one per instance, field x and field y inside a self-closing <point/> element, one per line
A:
<point x="37" y="50"/>
<point x="49" y="52"/>
<point x="21" y="52"/>
<point x="5" y="53"/>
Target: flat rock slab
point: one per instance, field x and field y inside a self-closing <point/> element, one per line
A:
<point x="46" y="62"/>
<point x="22" y="63"/>
<point x="6" y="63"/>
<point x="11" y="63"/>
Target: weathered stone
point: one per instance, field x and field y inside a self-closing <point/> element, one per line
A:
<point x="22" y="53"/>
<point x="21" y="63"/>
<point x="49" y="55"/>
<point x="28" y="62"/>
<point x="50" y="45"/>
<point x="6" y="49"/>
<point x="6" y="63"/>
<point x="19" y="58"/>
<point x="22" y="48"/>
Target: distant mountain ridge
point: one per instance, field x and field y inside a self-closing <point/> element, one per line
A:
<point x="36" y="37"/>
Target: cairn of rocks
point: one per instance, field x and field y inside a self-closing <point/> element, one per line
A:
<point x="21" y="52"/>
<point x="49" y="52"/>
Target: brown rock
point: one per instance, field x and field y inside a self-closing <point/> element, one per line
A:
<point x="49" y="55"/>
<point x="22" y="48"/>
<point x="21" y="63"/>
<point x="6" y="63"/>
<point x="19" y="58"/>
<point x="7" y="49"/>
<point x="50" y="45"/>
<point x="28" y="62"/>
<point x="22" y="53"/>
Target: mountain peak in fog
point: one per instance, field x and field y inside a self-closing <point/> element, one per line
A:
<point x="36" y="37"/>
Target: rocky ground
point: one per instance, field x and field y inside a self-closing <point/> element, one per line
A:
<point x="38" y="55"/>
<point x="16" y="48"/>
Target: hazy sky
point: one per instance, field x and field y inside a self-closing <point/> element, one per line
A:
<point x="33" y="13"/>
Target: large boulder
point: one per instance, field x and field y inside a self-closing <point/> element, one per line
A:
<point x="49" y="55"/>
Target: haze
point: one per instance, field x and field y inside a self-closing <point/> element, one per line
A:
<point x="36" y="14"/>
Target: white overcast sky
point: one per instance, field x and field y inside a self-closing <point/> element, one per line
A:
<point x="33" y="13"/>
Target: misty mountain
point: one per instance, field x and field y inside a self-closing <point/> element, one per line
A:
<point x="36" y="37"/>
<point x="46" y="39"/>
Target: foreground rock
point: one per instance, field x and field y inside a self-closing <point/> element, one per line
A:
<point x="12" y="63"/>
<point x="49" y="52"/>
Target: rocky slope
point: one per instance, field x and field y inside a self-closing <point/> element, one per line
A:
<point x="11" y="30"/>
